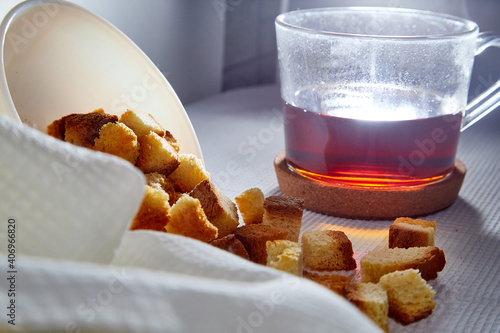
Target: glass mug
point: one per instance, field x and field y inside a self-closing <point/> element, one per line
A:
<point x="378" y="96"/>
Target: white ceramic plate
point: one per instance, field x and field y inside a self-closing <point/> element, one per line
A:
<point x="58" y="58"/>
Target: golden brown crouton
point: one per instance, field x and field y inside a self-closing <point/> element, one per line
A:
<point x="153" y="212"/>
<point x="172" y="140"/>
<point x="141" y="123"/>
<point x="189" y="173"/>
<point x="285" y="255"/>
<point x="220" y="210"/>
<point x="429" y="260"/>
<point x="334" y="282"/>
<point x="254" y="238"/>
<point x="161" y="181"/>
<point x="423" y="223"/>
<point x="156" y="155"/>
<point x="80" y="129"/>
<point x="410" y="297"/>
<point x="406" y="232"/>
<point x="57" y="128"/>
<point x="372" y="300"/>
<point x="408" y="235"/>
<point x="231" y="244"/>
<point x="187" y="218"/>
<point x="119" y="140"/>
<point x="250" y="204"/>
<point x="284" y="212"/>
<point x="158" y="180"/>
<point x="327" y="250"/>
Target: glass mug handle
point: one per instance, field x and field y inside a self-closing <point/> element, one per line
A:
<point x="489" y="99"/>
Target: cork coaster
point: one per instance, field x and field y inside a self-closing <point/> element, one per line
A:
<point x="369" y="203"/>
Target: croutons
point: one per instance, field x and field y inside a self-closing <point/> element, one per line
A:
<point x="410" y="297"/>
<point x="160" y="181"/>
<point x="80" y="129"/>
<point x="231" y="244"/>
<point x="372" y="300"/>
<point x="156" y="155"/>
<point x="250" y="204"/>
<point x="327" y="250"/>
<point x="254" y="238"/>
<point x="119" y="140"/>
<point x="284" y="212"/>
<point x="428" y="260"/>
<point x="406" y="232"/>
<point x="220" y="210"/>
<point x="187" y="218"/>
<point x="334" y="282"/>
<point x="141" y="123"/>
<point x="153" y="212"/>
<point x="285" y="255"/>
<point x="189" y="173"/>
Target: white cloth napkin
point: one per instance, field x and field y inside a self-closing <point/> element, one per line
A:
<point x="67" y="202"/>
<point x="77" y="269"/>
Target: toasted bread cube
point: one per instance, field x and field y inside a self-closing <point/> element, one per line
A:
<point x="410" y="297"/>
<point x="254" y="238"/>
<point x="231" y="244"/>
<point x="158" y="180"/>
<point x="285" y="255"/>
<point x="172" y="140"/>
<point x="251" y="205"/>
<point x="429" y="260"/>
<point x="80" y="129"/>
<point x="119" y="140"/>
<point x="161" y="181"/>
<point x="334" y="282"/>
<point x="187" y="218"/>
<point x="372" y="300"/>
<point x="284" y="212"/>
<point x="141" y="123"/>
<point x="189" y="173"/>
<point x="220" y="210"/>
<point x="408" y="235"/>
<point x="156" y="155"/>
<point x="57" y="128"/>
<point x="327" y="250"/>
<point x="423" y="223"/>
<point x="153" y="212"/>
<point x="406" y="232"/>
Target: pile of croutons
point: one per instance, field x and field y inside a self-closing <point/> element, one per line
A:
<point x="180" y="199"/>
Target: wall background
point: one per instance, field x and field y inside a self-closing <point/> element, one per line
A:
<point x="204" y="47"/>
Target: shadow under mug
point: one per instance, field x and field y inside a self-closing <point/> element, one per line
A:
<point x="378" y="96"/>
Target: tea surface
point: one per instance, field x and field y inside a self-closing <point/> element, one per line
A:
<point x="370" y="152"/>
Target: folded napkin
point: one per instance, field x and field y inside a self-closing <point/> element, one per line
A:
<point x="67" y="202"/>
<point x="78" y="269"/>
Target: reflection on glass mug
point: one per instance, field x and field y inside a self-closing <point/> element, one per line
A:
<point x="378" y="96"/>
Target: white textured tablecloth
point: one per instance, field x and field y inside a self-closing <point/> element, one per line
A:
<point x="241" y="132"/>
